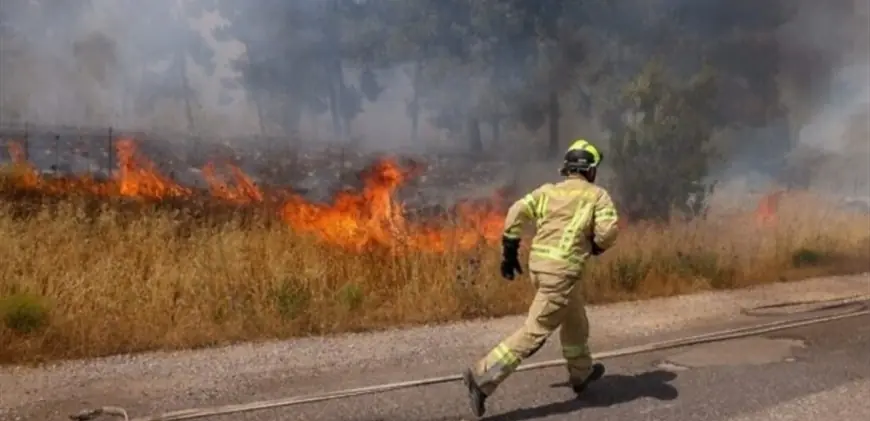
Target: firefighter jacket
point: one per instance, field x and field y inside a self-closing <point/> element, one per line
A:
<point x="569" y="215"/>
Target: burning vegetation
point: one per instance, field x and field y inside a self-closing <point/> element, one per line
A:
<point x="355" y="220"/>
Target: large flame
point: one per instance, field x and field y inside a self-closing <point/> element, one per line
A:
<point x="137" y="177"/>
<point x="356" y="220"/>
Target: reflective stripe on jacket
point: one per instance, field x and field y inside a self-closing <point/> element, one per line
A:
<point x="568" y="215"/>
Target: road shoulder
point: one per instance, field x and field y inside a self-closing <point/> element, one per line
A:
<point x="266" y="370"/>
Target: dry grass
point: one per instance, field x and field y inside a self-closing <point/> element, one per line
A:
<point x="79" y="280"/>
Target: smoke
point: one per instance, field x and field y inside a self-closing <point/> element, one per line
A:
<point x="830" y="130"/>
<point x="845" y="37"/>
<point x="824" y="85"/>
<point x="114" y="62"/>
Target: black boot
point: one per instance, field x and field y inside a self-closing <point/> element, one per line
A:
<point x="475" y="395"/>
<point x="596" y="373"/>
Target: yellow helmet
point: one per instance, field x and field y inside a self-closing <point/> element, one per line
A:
<point x="581" y="156"/>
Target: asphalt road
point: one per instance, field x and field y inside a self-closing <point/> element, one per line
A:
<point x="812" y="373"/>
<point x="815" y="373"/>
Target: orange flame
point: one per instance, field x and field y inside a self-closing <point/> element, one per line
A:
<point x="357" y="220"/>
<point x="244" y="190"/>
<point x="766" y="212"/>
<point x="138" y="178"/>
<point x="16" y="153"/>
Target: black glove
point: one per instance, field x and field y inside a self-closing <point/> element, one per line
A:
<point x="510" y="261"/>
<point x="596" y="250"/>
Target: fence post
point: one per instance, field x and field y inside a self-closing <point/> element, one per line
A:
<point x="56" y="154"/>
<point x="26" y="141"/>
<point x="109" y="153"/>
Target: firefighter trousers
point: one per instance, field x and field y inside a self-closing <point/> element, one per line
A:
<point x="559" y="302"/>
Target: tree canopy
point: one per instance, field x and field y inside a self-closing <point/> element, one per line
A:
<point x="661" y="76"/>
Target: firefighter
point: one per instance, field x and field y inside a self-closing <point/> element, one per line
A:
<point x="574" y="219"/>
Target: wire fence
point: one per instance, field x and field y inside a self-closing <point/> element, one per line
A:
<point x="312" y="168"/>
<point x="59" y="148"/>
<point x="66" y="150"/>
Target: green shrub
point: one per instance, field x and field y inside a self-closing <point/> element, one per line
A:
<point x="350" y="296"/>
<point x="628" y="273"/>
<point x="291" y="300"/>
<point x="804" y="257"/>
<point x="24" y="313"/>
<point x="703" y="265"/>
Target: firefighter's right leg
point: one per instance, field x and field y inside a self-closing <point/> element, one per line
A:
<point x="546" y="313"/>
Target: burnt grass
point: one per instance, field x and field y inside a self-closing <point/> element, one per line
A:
<point x="201" y="209"/>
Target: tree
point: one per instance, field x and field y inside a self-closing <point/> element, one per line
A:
<point x="295" y="53"/>
<point x="274" y="55"/>
<point x="175" y="43"/>
<point x="11" y="49"/>
<point x="23" y="31"/>
<point x="521" y="62"/>
<point x="660" y="133"/>
<point x="672" y="42"/>
<point x="740" y="39"/>
<point x="437" y="39"/>
<point x="413" y="35"/>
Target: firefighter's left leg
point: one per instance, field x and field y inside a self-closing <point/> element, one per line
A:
<point x="546" y="313"/>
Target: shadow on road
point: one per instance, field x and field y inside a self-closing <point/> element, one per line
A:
<point x="611" y="390"/>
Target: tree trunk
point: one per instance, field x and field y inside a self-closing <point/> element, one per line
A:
<point x="334" y="108"/>
<point x="292" y="120"/>
<point x="334" y="72"/>
<point x="414" y="106"/>
<point x="495" y="122"/>
<point x="343" y="121"/>
<point x="475" y="144"/>
<point x="181" y="63"/>
<point x="554" y="116"/>
<point x="258" y="96"/>
<point x="258" y="106"/>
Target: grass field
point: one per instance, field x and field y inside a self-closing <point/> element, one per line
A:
<point x="86" y="275"/>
